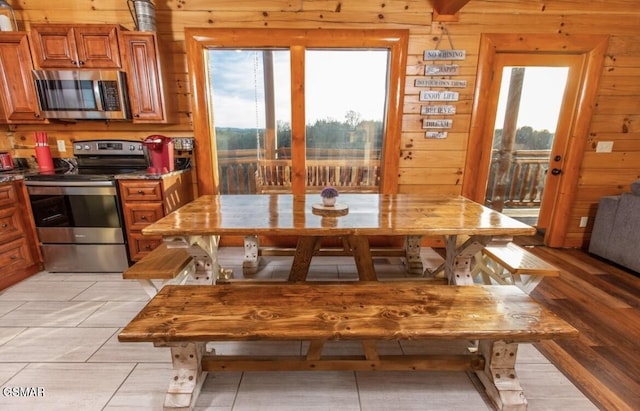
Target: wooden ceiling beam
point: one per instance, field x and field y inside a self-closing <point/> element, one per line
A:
<point x="447" y="10"/>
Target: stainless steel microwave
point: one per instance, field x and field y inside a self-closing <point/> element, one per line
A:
<point x="82" y="94"/>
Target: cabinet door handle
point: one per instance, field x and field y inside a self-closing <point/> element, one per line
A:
<point x="14" y="257"/>
<point x="140" y="192"/>
<point x="143" y="217"/>
<point x="5" y="225"/>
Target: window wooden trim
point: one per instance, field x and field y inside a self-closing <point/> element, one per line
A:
<point x="198" y="40"/>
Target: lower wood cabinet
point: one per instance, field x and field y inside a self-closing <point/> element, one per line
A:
<point x="19" y="252"/>
<point x="146" y="201"/>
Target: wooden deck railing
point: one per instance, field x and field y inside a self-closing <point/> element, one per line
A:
<point x="244" y="174"/>
<point x="524" y="182"/>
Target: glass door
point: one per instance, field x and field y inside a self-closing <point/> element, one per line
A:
<point x="533" y="100"/>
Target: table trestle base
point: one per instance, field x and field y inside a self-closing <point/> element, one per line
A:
<point x="412" y="254"/>
<point x="204" y="250"/>
<point x="459" y="258"/>
<point x="251" y="259"/>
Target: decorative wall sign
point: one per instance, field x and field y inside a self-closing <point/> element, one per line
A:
<point x="442" y="69"/>
<point x="436" y="134"/>
<point x="431" y="95"/>
<point x="427" y="82"/>
<point x="445" y="54"/>
<point x="434" y="95"/>
<point x="437" y="123"/>
<point x="433" y="110"/>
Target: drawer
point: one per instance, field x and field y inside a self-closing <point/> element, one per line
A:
<point x="141" y="245"/>
<point x="138" y="216"/>
<point x="15" y="255"/>
<point x="7" y="195"/>
<point x="141" y="190"/>
<point x="10" y="224"/>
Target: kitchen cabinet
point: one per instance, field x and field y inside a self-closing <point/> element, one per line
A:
<point x="71" y="46"/>
<point x="18" y="102"/>
<point x="19" y="254"/>
<point x="141" y="61"/>
<point x="146" y="201"/>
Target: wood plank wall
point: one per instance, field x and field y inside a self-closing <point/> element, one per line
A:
<point x="425" y="165"/>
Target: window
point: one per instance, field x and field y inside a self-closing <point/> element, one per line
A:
<point x="309" y="109"/>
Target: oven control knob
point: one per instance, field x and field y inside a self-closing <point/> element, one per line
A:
<point x="87" y="147"/>
<point x="78" y="147"/>
<point x="132" y="147"/>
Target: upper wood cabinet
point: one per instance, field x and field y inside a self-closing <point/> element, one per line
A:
<point x="144" y="77"/>
<point x="60" y="46"/>
<point x="18" y="102"/>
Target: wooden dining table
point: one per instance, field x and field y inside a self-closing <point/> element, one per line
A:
<point x="465" y="226"/>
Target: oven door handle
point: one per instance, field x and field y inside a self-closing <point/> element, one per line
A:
<point x="94" y="183"/>
<point x="72" y="190"/>
<point x="53" y="217"/>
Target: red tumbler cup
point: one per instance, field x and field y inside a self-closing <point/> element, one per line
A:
<point x="43" y="155"/>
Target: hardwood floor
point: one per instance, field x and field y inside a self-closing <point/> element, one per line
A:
<point x="603" y="302"/>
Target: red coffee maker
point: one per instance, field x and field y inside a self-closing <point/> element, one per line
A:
<point x="159" y="153"/>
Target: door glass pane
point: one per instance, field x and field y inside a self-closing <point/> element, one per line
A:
<point x="526" y="120"/>
<point x="345" y="103"/>
<point x="251" y="95"/>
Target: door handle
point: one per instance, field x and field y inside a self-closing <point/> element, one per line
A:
<point x="556" y="171"/>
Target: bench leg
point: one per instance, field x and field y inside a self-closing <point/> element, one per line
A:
<point x="188" y="376"/>
<point x="149" y="287"/>
<point x="528" y="283"/>
<point x="412" y="254"/>
<point x="490" y="271"/>
<point x="499" y="375"/>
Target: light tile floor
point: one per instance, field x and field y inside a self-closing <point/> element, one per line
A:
<point x="59" y="332"/>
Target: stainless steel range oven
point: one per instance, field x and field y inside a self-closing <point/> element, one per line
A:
<point x="77" y="210"/>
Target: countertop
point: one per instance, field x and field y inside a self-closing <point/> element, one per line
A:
<point x="21" y="174"/>
<point x="143" y="175"/>
<point x="12" y="175"/>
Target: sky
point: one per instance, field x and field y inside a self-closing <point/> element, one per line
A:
<point x="541" y="98"/>
<point x="332" y="78"/>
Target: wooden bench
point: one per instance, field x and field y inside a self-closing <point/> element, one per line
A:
<point x="508" y="263"/>
<point x="168" y="265"/>
<point x="186" y="317"/>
